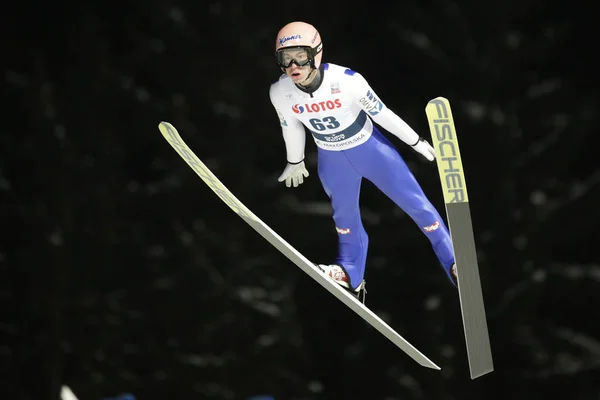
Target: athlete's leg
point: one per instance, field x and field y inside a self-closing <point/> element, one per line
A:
<point x="379" y="161"/>
<point x="342" y="184"/>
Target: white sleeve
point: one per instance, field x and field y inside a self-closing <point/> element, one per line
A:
<point x="292" y="130"/>
<point x="366" y="98"/>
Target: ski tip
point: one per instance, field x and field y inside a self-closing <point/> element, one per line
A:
<point x="439" y="98"/>
<point x="167" y="128"/>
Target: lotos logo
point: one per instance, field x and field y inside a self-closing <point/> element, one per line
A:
<point x="342" y="231"/>
<point x="298" y="109"/>
<point x="432" y="227"/>
<point x="285" y="39"/>
<point x="317" y="107"/>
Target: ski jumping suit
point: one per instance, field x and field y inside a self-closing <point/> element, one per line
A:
<point x="340" y="114"/>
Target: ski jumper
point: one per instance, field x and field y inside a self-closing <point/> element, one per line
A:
<point x="339" y="114"/>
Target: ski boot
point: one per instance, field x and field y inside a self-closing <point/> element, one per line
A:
<point x="338" y="275"/>
<point x="454" y="275"/>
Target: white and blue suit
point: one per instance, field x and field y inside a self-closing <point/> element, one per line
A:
<point x="340" y="114"/>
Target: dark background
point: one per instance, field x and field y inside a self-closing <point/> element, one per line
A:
<point x="123" y="272"/>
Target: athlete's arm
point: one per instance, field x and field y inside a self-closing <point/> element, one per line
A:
<point x="387" y="119"/>
<point x="292" y="130"/>
<point x="371" y="103"/>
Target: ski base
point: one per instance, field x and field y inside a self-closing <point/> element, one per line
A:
<point x="456" y="199"/>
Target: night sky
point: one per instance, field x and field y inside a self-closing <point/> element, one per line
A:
<point x="124" y="273"/>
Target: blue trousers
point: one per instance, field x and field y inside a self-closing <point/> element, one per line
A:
<point x="377" y="160"/>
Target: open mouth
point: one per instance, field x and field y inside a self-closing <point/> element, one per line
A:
<point x="296" y="74"/>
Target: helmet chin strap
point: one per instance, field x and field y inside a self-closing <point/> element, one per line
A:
<point x="311" y="87"/>
<point x="312" y="69"/>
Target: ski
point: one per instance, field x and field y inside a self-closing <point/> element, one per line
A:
<point x="456" y="199"/>
<point x="172" y="136"/>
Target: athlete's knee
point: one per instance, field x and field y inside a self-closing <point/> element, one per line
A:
<point x="428" y="220"/>
<point x="420" y="208"/>
<point x="344" y="210"/>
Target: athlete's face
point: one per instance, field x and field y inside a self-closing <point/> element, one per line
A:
<point x="295" y="61"/>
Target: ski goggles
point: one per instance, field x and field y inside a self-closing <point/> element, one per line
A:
<point x="300" y="56"/>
